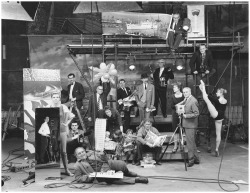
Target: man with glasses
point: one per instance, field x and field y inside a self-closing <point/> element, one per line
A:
<point x="143" y="145"/>
<point x="100" y="102"/>
<point x="175" y="32"/>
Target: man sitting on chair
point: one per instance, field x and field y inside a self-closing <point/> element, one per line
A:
<point x="143" y="145"/>
<point x="175" y="32"/>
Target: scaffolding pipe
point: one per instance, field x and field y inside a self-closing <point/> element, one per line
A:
<point x="148" y="45"/>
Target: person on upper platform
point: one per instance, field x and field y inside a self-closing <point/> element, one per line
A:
<point x="175" y="32"/>
<point x="202" y="62"/>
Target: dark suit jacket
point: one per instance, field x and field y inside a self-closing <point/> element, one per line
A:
<point x="166" y="74"/>
<point x="106" y="87"/>
<point x="121" y="94"/>
<point x="178" y="28"/>
<point x="192" y="113"/>
<point x="114" y="122"/>
<point x="195" y="61"/>
<point x="77" y="92"/>
<point x="91" y="105"/>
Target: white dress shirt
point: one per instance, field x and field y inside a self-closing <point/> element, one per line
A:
<point x="44" y="129"/>
<point x="161" y="70"/>
<point x="71" y="90"/>
<point x="100" y="104"/>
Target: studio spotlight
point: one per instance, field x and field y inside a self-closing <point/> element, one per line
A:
<point x="131" y="67"/>
<point x="186" y="24"/>
<point x="179" y="64"/>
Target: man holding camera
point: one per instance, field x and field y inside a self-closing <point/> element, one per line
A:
<point x="76" y="138"/>
<point x="161" y="77"/>
<point x="190" y="123"/>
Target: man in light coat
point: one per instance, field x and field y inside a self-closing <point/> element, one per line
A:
<point x="190" y="123"/>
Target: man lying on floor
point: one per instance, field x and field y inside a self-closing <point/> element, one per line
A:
<point x="89" y="162"/>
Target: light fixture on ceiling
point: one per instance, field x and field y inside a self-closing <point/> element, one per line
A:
<point x="179" y="64"/>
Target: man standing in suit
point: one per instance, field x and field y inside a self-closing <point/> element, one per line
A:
<point x="122" y="93"/>
<point x="190" y="123"/>
<point x="75" y="91"/>
<point x="100" y="103"/>
<point x="44" y="131"/>
<point x="175" y="32"/>
<point x="161" y="77"/>
<point x="146" y="97"/>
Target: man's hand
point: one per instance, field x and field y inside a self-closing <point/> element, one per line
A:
<point x="149" y="144"/>
<point x="195" y="72"/>
<point x="89" y="119"/>
<point x="120" y="101"/>
<point x="207" y="72"/>
<point x="73" y="99"/>
<point x="75" y="137"/>
<point x="184" y="115"/>
<point x="171" y="30"/>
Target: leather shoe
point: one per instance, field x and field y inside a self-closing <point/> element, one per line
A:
<point x="132" y="174"/>
<point x="142" y="180"/>
<point x="196" y="161"/>
<point x="138" y="163"/>
<point x="190" y="164"/>
<point x="158" y="163"/>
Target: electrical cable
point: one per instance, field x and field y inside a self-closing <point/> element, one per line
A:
<point x="11" y="152"/>
<point x="204" y="180"/>
<point x="230" y="106"/>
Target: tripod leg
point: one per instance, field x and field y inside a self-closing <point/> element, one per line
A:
<point x="168" y="144"/>
<point x="181" y="141"/>
<point x="164" y="152"/>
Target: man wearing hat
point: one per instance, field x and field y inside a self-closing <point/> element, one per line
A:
<point x="145" y="97"/>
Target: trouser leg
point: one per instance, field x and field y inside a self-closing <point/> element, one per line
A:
<point x="163" y="98"/>
<point x="177" y="41"/>
<point x="140" y="149"/>
<point x="156" y="102"/>
<point x="44" y="145"/>
<point x="171" y="39"/>
<point x="126" y="121"/>
<point x="191" y="145"/>
<point x="157" y="151"/>
<point x="141" y="113"/>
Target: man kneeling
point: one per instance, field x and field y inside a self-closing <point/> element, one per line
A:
<point x="93" y="161"/>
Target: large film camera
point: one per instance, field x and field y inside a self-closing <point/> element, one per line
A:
<point x="180" y="109"/>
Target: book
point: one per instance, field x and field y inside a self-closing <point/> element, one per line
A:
<point x="154" y="139"/>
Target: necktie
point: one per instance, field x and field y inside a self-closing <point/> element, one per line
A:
<point x="98" y="102"/>
<point x="145" y="86"/>
<point x="125" y="90"/>
<point x="173" y="25"/>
